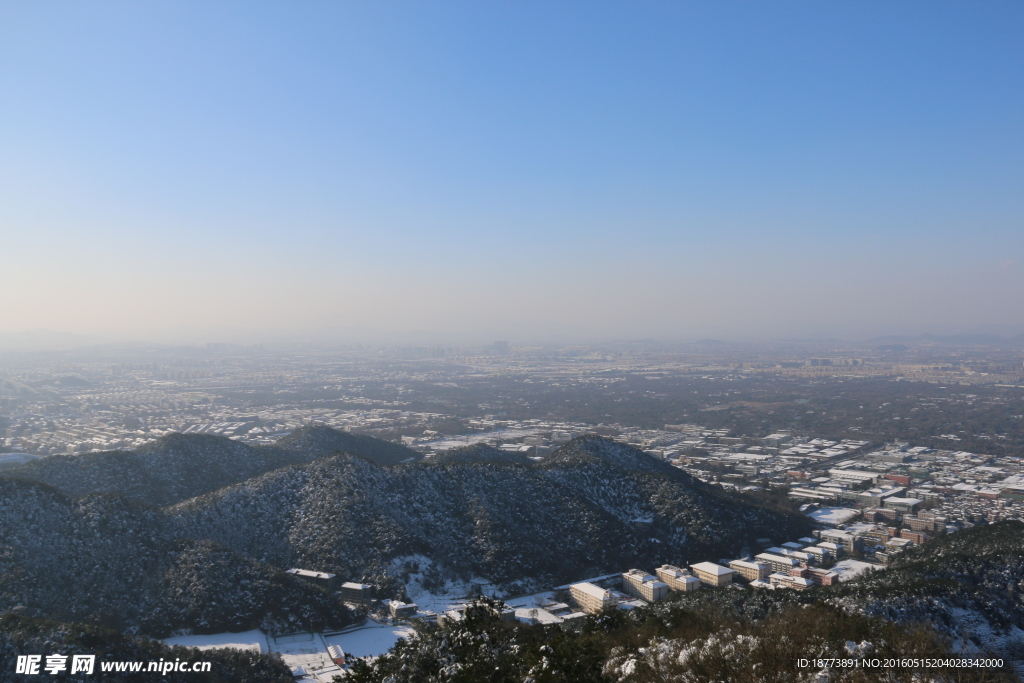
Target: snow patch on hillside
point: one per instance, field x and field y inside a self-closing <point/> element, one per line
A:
<point x="254" y="640"/>
<point x="851" y="569"/>
<point x="431" y="588"/>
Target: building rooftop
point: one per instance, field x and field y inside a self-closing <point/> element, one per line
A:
<point x="711" y="568"/>
<point x="768" y="557"/>
<point x="592" y="590"/>
<point x="310" y="574"/>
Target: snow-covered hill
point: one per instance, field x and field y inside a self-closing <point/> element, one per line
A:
<point x="216" y="561"/>
<point x="481" y="453"/>
<point x="177" y="467"/>
<point x="173" y="468"/>
<point x="108" y="561"/>
<point x="969" y="584"/>
<point x="594" y="506"/>
<point x="318" y="440"/>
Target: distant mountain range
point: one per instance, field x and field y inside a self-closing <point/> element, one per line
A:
<point x="952" y="340"/>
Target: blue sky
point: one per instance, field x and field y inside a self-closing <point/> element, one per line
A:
<point x="513" y="169"/>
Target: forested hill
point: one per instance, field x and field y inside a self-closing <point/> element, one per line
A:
<point x="215" y="562"/>
<point x="318" y="440"/>
<point x="969" y="584"/>
<point x="593" y="450"/>
<point x="594" y="506"/>
<point x="109" y="561"/>
<point x="166" y="471"/>
<point x="481" y="453"/>
<point x="181" y="466"/>
<point x="952" y="597"/>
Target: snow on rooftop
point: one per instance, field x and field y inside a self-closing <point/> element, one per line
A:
<point x="833" y="516"/>
<point x="310" y="574"/>
<point x="591" y="590"/>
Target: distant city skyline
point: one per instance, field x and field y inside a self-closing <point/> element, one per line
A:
<point x="196" y="172"/>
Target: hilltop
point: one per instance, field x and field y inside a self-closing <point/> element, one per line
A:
<point x="171" y="469"/>
<point x="177" y="467"/>
<point x="480" y="453"/>
<point x="598" y="450"/>
<point x="316" y="441"/>
<point x="593" y="506"/>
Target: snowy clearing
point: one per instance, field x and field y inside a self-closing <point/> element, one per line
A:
<point x="247" y="640"/>
<point x="306" y="653"/>
<point x="452" y="595"/>
<point x="372" y="640"/>
<point x="851" y="569"/>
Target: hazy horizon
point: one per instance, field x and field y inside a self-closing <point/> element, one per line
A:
<point x="246" y="172"/>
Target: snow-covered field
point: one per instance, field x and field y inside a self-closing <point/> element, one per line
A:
<point x="247" y="640"/>
<point x="307" y="651"/>
<point x="850" y="569"/>
<point x="833" y="516"/>
<point x="371" y="640"/>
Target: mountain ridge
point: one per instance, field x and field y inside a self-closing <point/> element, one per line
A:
<point x="177" y="466"/>
<point x="556" y="520"/>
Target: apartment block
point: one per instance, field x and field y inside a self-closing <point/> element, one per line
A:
<point x="877" y="514"/>
<point x="677" y="579"/>
<point x="322" y="579"/>
<point x="819" y="554"/>
<point x="642" y="585"/>
<point x="751" y="571"/>
<point x="915" y="536"/>
<point x="822" y="577"/>
<point x="786" y="581"/>
<point x="777" y="563"/>
<point x="358" y="593"/>
<point x="402" y="610"/>
<point x="849" y="542"/>
<point x="712" y="574"/>
<point x="592" y="599"/>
